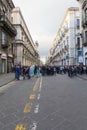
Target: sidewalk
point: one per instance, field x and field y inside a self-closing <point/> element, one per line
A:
<point x="83" y="76"/>
<point x="6" y="78"/>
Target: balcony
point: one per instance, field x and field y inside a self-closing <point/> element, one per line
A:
<point x="4" y="43"/>
<point x="77" y="47"/>
<point x="7" y="25"/>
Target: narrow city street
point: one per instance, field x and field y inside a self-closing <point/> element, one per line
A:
<point x="45" y="103"/>
<point x="43" y="65"/>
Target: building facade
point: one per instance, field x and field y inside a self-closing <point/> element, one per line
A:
<point x="7" y="35"/>
<point x="83" y="32"/>
<point x="66" y="44"/>
<point x="25" y="52"/>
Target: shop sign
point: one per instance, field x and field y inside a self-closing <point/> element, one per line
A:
<point x="3" y="56"/>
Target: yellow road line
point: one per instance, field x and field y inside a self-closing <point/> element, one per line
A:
<point x="32" y="96"/>
<point x="36" y="85"/>
<point x="20" y="127"/>
<point x="28" y="107"/>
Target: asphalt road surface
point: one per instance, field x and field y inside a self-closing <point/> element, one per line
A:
<point x="45" y="103"/>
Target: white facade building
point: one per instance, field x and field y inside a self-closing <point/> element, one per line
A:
<point x="67" y="41"/>
<point x="83" y="15"/>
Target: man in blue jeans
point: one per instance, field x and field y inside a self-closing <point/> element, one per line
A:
<point x="17" y="72"/>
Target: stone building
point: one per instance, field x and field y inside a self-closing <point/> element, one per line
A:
<point x="7" y="35"/>
<point x="25" y="52"/>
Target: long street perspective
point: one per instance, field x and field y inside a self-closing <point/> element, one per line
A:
<point x="43" y="65"/>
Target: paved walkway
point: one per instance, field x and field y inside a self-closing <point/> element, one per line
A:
<point x="6" y="78"/>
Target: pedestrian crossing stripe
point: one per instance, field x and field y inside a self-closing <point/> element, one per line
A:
<point x="20" y="127"/>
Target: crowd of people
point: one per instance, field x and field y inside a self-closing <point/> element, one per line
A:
<point x="26" y="71"/>
<point x="34" y="70"/>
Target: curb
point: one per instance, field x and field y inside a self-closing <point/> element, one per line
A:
<point x="81" y="77"/>
<point x="7" y="83"/>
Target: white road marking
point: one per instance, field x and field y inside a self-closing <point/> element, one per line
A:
<point x="34" y="126"/>
<point x="36" y="110"/>
<point x="38" y="97"/>
<point x="40" y="87"/>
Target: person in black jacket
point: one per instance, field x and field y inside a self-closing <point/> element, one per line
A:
<point x="24" y="72"/>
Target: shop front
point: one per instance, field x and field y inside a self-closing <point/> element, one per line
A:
<point x="3" y="63"/>
<point x="9" y="64"/>
<point x="86" y="58"/>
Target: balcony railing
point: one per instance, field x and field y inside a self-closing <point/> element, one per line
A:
<point x="7" y="25"/>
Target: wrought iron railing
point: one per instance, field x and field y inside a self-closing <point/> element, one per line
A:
<point x="7" y="24"/>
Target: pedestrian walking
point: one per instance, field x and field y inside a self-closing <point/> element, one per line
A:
<point x="28" y="72"/>
<point x="17" y="72"/>
<point x="38" y="74"/>
<point x="23" y="72"/>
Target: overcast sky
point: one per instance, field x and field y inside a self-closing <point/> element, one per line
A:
<point x="43" y="18"/>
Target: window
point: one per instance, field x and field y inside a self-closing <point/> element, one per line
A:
<point x="3" y="38"/>
<point x="12" y="19"/>
<point x="78" y="23"/>
<point x="86" y="14"/>
<point x="85" y="36"/>
<point x="78" y="42"/>
<point x="67" y="40"/>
